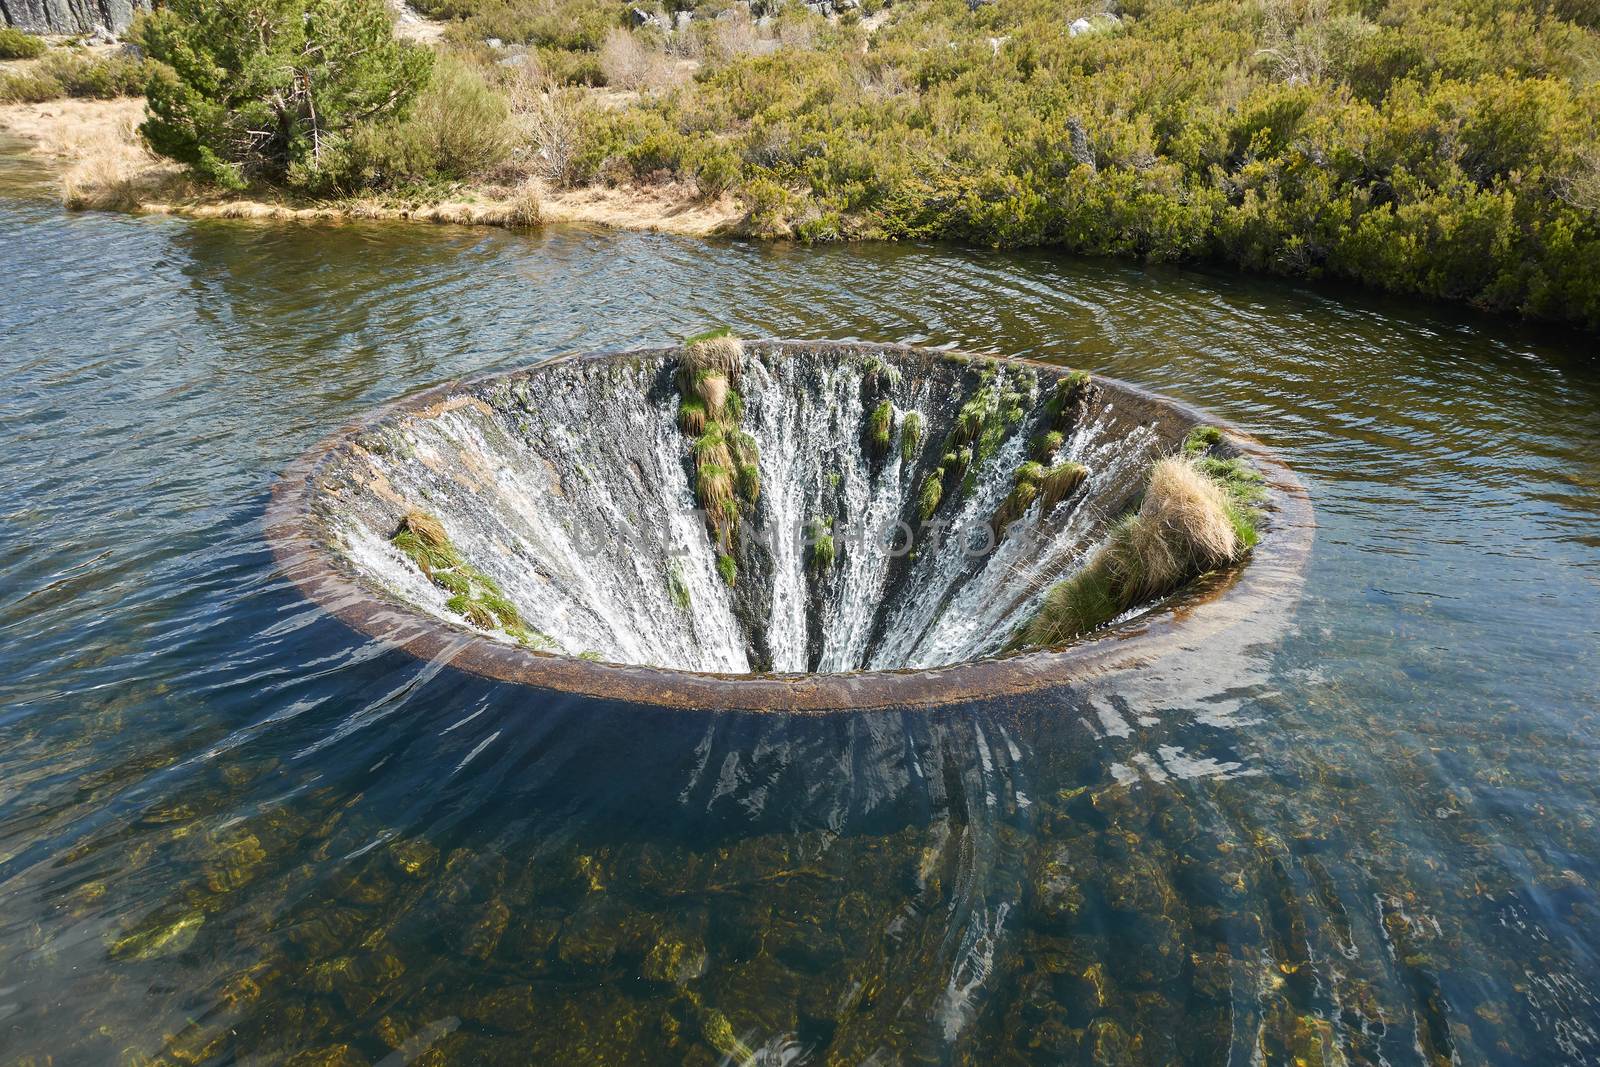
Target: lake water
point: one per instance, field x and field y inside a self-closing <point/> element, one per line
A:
<point x="231" y="830"/>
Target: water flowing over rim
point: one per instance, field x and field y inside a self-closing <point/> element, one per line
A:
<point x="1216" y="607"/>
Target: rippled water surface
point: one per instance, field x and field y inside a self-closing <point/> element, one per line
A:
<point x="231" y="830"/>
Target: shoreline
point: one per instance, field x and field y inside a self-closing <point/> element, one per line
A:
<point x="98" y="162"/>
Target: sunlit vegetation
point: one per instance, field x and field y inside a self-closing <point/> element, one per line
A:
<point x="69" y="72"/>
<point x="727" y="473"/>
<point x="1447" y="149"/>
<point x="473" y="595"/>
<point x="1189" y="522"/>
<point x="14" y="44"/>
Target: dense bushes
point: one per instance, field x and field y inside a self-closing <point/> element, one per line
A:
<point x="77" y="74"/>
<point x="1450" y="149"/>
<point x="458" y="128"/>
<point x="1441" y="147"/>
<point x="14" y="44"/>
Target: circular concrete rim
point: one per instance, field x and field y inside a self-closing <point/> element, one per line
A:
<point x="1204" y="611"/>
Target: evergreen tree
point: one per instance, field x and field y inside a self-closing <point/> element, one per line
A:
<point x="273" y="89"/>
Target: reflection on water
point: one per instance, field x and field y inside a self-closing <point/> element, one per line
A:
<point x="232" y="830"/>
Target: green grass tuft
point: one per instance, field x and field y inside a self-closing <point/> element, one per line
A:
<point x="879" y="425"/>
<point x="932" y="493"/>
<point x="1201" y="439"/>
<point x="692" y="416"/>
<point x="452" y="582"/>
<point x="1047" y="444"/>
<point x="727" y="568"/>
<point x="1058" y="482"/>
<point x="474" y="595"/>
<point x="678" y="587"/>
<point x="748" y="480"/>
<point x="822" y="553"/>
<point x="911" y="431"/>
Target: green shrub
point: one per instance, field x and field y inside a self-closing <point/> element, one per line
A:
<point x="96" y="78"/>
<point x="29" y="87"/>
<point x="1448" y="149"/>
<point x="458" y="128"/>
<point x="14" y="44"/>
<point x="63" y="73"/>
<point x="567" y="66"/>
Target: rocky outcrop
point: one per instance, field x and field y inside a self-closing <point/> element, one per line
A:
<point x="69" y="16"/>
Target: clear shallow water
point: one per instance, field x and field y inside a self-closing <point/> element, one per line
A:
<point x="230" y="830"/>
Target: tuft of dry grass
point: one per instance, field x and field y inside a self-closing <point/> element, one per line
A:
<point x="1058" y="482"/>
<point x="1188" y="511"/>
<point x="712" y="388"/>
<point x="723" y="355"/>
<point x="525" y="207"/>
<point x="1182" y="529"/>
<point x="424" y="527"/>
<point x="691" y="416"/>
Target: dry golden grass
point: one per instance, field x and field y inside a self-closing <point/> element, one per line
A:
<point x="721" y="355"/>
<point x="712" y="389"/>
<point x="427" y="529"/>
<point x="103" y="165"/>
<point x="95" y="144"/>
<point x="1181" y="530"/>
<point x="524" y="207"/>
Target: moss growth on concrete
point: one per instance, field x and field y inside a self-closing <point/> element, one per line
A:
<point x="474" y="596"/>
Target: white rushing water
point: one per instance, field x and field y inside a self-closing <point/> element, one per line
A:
<point x="573" y="489"/>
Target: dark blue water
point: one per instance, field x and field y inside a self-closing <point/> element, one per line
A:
<point x="231" y="830"/>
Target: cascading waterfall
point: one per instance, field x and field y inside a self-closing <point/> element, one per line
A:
<point x="569" y="492"/>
